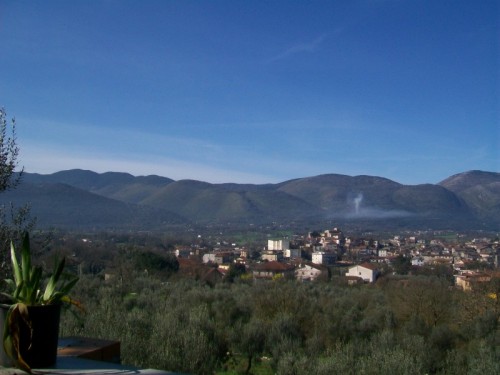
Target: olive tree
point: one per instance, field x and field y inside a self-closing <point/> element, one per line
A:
<point x="13" y="221"/>
<point x="9" y="152"/>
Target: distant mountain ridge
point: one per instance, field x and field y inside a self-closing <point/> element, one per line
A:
<point x="481" y="192"/>
<point x="86" y="199"/>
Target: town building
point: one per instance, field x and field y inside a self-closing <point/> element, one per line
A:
<point x="272" y="270"/>
<point x="278" y="245"/>
<point x="367" y="271"/>
<point x="309" y="272"/>
<point x="322" y="257"/>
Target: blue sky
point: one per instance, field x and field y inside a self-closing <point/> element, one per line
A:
<point x="254" y="91"/>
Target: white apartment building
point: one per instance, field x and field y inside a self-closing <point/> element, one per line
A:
<point x="321" y="257"/>
<point x="278" y="245"/>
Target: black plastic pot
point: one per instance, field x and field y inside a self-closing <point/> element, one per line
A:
<point x="38" y="345"/>
<point x="5" y="361"/>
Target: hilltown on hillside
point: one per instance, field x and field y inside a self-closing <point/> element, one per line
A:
<point x="322" y="255"/>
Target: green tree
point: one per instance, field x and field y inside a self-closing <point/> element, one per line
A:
<point x="250" y="339"/>
<point x="235" y="271"/>
<point x="401" y="265"/>
<point x="421" y="299"/>
<point x="152" y="262"/>
<point x="13" y="221"/>
<point x="9" y="152"/>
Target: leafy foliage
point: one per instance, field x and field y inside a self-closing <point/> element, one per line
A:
<point x="401" y="265"/>
<point x="9" y="152"/>
<point x="157" y="263"/>
<point x="26" y="285"/>
<point x="406" y="326"/>
<point x="26" y="290"/>
<point x="13" y="221"/>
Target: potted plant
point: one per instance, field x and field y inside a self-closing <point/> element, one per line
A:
<point x="31" y="327"/>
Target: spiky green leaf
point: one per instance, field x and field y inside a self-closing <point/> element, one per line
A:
<point x="15" y="265"/>
<point x="26" y="257"/>
<point x="54" y="278"/>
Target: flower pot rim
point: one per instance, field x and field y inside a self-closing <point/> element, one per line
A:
<point x="7" y="305"/>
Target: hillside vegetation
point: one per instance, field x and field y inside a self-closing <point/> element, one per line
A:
<point x="85" y="199"/>
<point x="412" y="325"/>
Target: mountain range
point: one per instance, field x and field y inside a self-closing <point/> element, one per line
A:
<point x="80" y="199"/>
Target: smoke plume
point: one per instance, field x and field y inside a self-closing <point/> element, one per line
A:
<point x="357" y="203"/>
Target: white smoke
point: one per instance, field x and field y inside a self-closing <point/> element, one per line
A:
<point x="363" y="211"/>
<point x="357" y="203"/>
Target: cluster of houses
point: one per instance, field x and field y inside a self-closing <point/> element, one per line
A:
<point x="304" y="259"/>
<point x="359" y="260"/>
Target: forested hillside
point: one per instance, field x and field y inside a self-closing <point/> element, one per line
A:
<point x="113" y="200"/>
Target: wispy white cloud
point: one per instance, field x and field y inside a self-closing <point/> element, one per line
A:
<point x="119" y="140"/>
<point x="41" y="161"/>
<point x="298" y="48"/>
<point x="48" y="147"/>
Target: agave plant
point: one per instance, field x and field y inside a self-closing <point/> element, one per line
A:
<point x="26" y="290"/>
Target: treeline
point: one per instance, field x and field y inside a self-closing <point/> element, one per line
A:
<point x="412" y="325"/>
